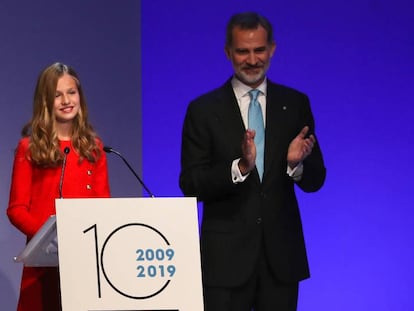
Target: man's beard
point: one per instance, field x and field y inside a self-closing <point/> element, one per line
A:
<point x="251" y="79"/>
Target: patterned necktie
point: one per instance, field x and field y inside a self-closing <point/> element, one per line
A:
<point x="256" y="123"/>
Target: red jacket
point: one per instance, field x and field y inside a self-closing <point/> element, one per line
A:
<point x="32" y="200"/>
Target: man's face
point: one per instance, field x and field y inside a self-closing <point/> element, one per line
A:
<point x="250" y="54"/>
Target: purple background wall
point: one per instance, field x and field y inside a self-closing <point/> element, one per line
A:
<point x="353" y="58"/>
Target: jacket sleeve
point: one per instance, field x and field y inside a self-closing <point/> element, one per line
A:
<point x="314" y="171"/>
<point x="20" y="192"/>
<point x="205" y="160"/>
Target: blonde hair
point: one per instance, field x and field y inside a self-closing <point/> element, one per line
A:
<point x="44" y="146"/>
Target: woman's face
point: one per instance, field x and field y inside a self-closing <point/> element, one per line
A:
<point x="67" y="100"/>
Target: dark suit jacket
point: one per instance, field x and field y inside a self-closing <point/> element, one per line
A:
<point x="241" y="218"/>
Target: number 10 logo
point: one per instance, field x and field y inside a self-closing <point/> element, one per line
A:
<point x="136" y="260"/>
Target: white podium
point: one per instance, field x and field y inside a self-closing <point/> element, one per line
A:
<point x="138" y="254"/>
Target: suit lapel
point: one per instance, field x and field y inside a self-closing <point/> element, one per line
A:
<point x="229" y="117"/>
<point x="274" y="127"/>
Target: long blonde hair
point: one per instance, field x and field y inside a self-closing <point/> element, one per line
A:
<point x="44" y="142"/>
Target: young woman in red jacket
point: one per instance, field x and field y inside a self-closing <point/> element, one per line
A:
<point x="59" y="126"/>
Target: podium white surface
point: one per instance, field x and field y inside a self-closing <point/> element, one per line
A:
<point x="129" y="254"/>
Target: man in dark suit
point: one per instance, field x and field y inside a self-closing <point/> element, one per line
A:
<point x="252" y="247"/>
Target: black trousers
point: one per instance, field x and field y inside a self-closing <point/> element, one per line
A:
<point x="262" y="292"/>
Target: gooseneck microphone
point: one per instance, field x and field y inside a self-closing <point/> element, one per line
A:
<point x="108" y="149"/>
<point x="65" y="155"/>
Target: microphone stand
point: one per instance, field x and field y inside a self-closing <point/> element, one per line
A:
<point x="110" y="150"/>
<point x="65" y="155"/>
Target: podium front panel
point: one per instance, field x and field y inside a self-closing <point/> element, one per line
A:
<point x="129" y="254"/>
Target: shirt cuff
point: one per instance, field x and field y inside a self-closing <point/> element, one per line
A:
<point x="296" y="172"/>
<point x="236" y="175"/>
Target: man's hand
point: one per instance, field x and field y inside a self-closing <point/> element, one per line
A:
<point x="300" y="147"/>
<point x="248" y="159"/>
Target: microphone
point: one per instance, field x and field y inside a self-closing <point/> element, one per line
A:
<point x="65" y="155"/>
<point x="108" y="149"/>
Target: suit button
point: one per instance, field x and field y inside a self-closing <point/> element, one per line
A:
<point x="89" y="187"/>
<point x="258" y="220"/>
<point x="89" y="172"/>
